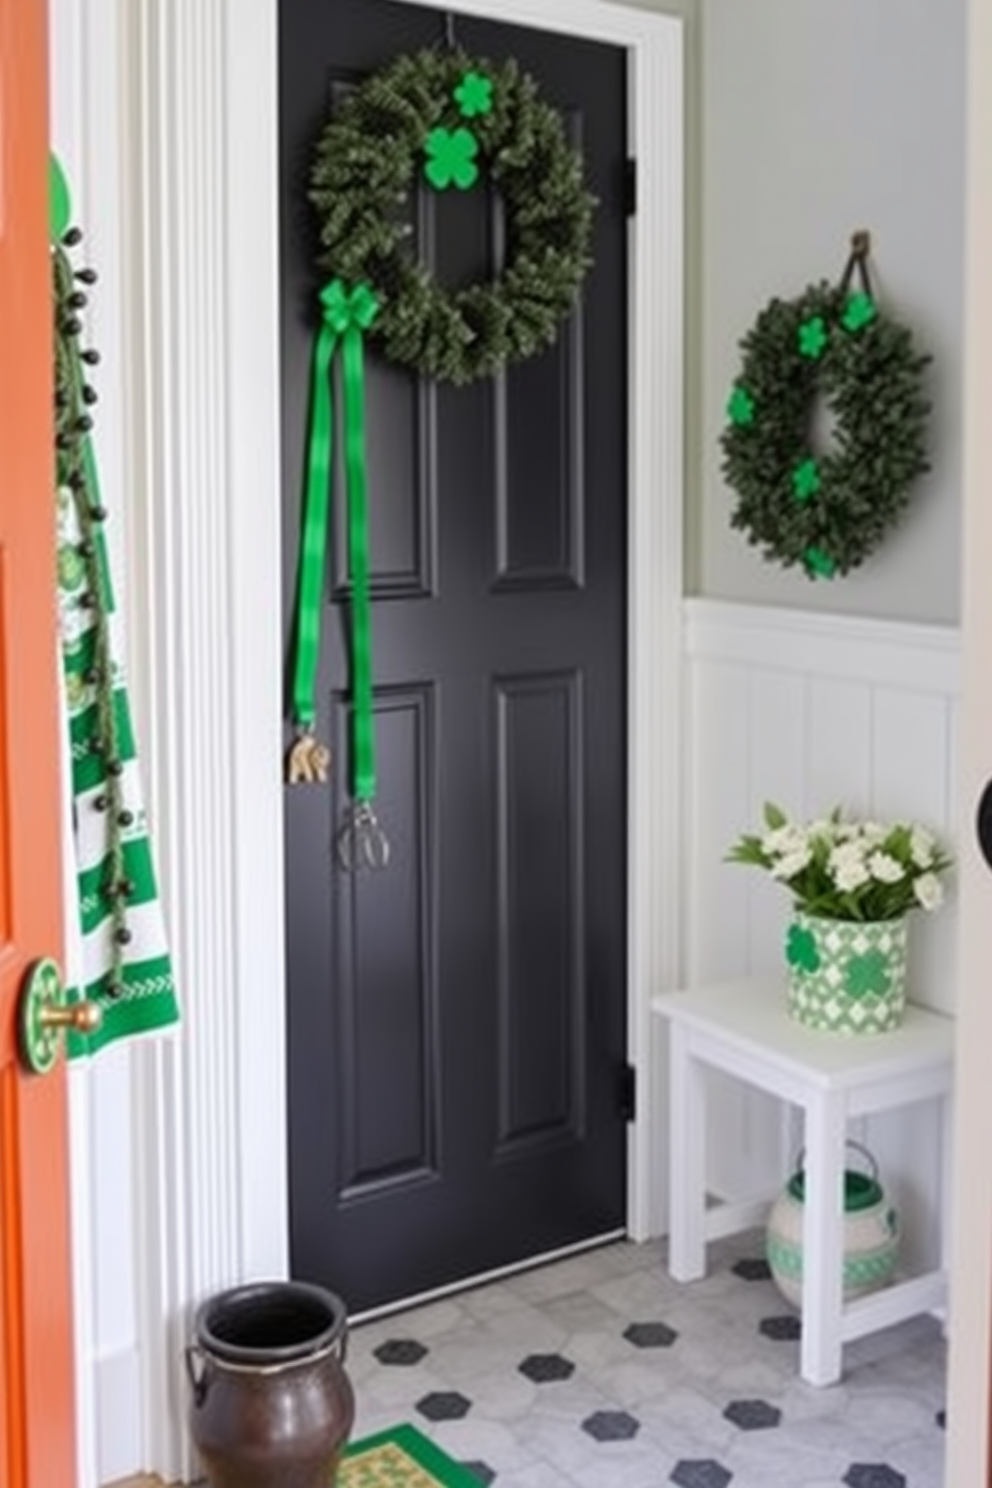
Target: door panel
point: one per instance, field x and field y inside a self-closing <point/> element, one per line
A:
<point x="457" y="1022"/>
<point x="36" y="1402"/>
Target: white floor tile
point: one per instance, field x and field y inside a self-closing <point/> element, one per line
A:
<point x="528" y="1432"/>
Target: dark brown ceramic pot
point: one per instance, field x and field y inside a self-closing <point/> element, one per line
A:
<point x="271" y="1405"/>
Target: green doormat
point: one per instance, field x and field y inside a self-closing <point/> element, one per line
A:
<point x="401" y="1458"/>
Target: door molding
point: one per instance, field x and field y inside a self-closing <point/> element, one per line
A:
<point x="209" y="1109"/>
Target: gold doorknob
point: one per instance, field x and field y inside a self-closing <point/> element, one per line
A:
<point x="44" y="1013"/>
<point x="81" y="1017"/>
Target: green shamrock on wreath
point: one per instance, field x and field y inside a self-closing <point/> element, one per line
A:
<point x="451" y="158"/>
<point x="812" y="337"/>
<point x="806" y="480"/>
<point x="860" y="312"/>
<point x="740" y="408"/>
<point x="818" y="563"/>
<point x="474" y="95"/>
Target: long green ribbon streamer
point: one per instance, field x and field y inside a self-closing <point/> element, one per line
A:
<point x="347" y="314"/>
<point x="358" y="557"/>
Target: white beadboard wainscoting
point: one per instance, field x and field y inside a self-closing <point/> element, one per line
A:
<point x="811" y="711"/>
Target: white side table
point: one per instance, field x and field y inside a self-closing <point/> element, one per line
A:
<point x="744" y="1029"/>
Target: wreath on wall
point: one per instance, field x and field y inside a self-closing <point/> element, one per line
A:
<point x="458" y="121"/>
<point x="825" y="508"/>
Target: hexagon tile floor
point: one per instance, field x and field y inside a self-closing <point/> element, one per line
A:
<point x="600" y="1372"/>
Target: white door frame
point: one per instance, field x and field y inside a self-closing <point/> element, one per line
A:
<point x="969" y="1371"/>
<point x="201" y="174"/>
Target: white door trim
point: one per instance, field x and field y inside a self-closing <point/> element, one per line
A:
<point x="210" y="1109"/>
<point x="969" y="1423"/>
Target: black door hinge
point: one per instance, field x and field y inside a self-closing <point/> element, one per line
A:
<point x="630" y="187"/>
<point x="628" y="1092"/>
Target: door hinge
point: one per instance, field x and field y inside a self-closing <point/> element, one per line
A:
<point x="628" y="1092"/>
<point x="630" y="188"/>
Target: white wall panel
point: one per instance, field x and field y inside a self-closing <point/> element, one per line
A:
<point x="776" y="732"/>
<point x="717" y="771"/>
<point x="838" y="744"/>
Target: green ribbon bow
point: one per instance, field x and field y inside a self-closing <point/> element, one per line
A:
<point x="346" y="315"/>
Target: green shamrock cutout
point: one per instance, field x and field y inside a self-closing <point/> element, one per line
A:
<point x="868" y="974"/>
<point x="859" y="313"/>
<point x="819" y="563"/>
<point x="806" y="480"/>
<point x="451" y="159"/>
<point x="740" y="408"/>
<point x="813" y="337"/>
<point x="800" y="949"/>
<point x="474" y="95"/>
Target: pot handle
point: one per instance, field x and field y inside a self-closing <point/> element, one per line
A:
<point x="859" y="1148"/>
<point x="196" y="1370"/>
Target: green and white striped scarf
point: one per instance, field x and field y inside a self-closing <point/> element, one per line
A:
<point x="119" y="957"/>
<point x="147" y="997"/>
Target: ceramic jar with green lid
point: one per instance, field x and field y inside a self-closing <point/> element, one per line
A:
<point x="871" y="1233"/>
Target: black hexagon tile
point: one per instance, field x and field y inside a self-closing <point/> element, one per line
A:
<point x="752" y="1270"/>
<point x="444" y="1405"/>
<point x="701" y="1473"/>
<point x="650" y="1335"/>
<point x="753" y="1415"/>
<point x="873" y="1475"/>
<point x="782" y="1329"/>
<point x="544" y="1369"/>
<point x="400" y="1351"/>
<point x="609" y="1426"/>
<point x="481" y="1471"/>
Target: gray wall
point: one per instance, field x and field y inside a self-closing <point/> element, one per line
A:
<point x="818" y="117"/>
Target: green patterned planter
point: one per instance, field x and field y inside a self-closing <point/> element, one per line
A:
<point x="846" y="976"/>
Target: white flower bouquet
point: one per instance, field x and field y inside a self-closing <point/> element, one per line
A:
<point x="863" y="871"/>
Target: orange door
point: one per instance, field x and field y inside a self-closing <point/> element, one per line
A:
<point x="36" y="1394"/>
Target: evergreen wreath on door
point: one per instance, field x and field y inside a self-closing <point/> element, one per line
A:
<point x="456" y="122"/>
<point x="826" y="509"/>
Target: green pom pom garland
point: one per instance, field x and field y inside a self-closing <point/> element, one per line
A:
<point x="824" y="510"/>
<point x="455" y="120"/>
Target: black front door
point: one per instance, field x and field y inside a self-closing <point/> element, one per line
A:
<point x="457" y="1022"/>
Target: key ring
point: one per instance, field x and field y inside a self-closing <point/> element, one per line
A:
<point x="361" y="842"/>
